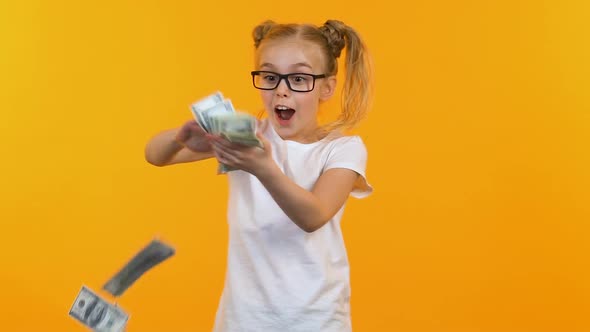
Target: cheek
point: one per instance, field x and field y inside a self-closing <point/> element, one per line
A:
<point x="311" y="100"/>
<point x="266" y="100"/>
<point x="266" y="96"/>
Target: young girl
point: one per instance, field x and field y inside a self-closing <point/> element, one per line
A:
<point x="287" y="267"/>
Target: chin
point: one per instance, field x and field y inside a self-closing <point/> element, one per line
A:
<point x="285" y="133"/>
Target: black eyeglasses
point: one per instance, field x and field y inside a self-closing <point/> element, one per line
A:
<point x="298" y="82"/>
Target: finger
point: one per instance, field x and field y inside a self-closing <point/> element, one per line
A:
<point x="191" y="123"/>
<point x="263" y="140"/>
<point x="262" y="125"/>
<point x="229" y="144"/>
<point x="188" y="128"/>
<point x="181" y="136"/>
<point x="215" y="139"/>
<point x="220" y="158"/>
<point x="224" y="158"/>
<point x="184" y="133"/>
<point x="195" y="126"/>
<point x="223" y="150"/>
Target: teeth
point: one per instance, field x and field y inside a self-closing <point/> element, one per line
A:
<point x="282" y="108"/>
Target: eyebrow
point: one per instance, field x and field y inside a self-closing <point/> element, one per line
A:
<point x="296" y="65"/>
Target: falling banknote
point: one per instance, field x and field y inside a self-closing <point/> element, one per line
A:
<point x="96" y="313"/>
<point x="148" y="257"/>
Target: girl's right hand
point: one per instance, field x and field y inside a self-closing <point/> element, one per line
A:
<point x="193" y="137"/>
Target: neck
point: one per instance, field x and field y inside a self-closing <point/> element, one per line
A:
<point x="308" y="136"/>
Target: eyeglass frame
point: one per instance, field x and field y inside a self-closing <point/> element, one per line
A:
<point x="255" y="73"/>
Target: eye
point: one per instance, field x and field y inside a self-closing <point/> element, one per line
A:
<point x="299" y="78"/>
<point x="269" y="77"/>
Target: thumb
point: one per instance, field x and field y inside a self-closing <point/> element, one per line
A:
<point x="181" y="135"/>
<point x="261" y="125"/>
<point x="260" y="133"/>
<point x="184" y="131"/>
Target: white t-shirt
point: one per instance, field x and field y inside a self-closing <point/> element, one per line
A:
<point x="279" y="277"/>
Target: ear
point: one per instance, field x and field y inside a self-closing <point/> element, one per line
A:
<point x="328" y="88"/>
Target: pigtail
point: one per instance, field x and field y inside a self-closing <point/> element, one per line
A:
<point x="358" y="85"/>
<point x="333" y="31"/>
<point x="261" y="30"/>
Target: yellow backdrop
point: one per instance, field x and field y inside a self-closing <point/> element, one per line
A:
<point x="478" y="151"/>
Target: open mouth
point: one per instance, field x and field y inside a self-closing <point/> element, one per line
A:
<point x="284" y="113"/>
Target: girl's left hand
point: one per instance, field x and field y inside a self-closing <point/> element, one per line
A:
<point x="252" y="159"/>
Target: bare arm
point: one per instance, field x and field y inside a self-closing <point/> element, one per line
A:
<point x="179" y="145"/>
<point x="309" y="210"/>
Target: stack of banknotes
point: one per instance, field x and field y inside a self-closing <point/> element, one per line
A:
<point x="216" y="115"/>
<point x="97" y="313"/>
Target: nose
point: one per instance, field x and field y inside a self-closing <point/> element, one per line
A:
<point x="282" y="89"/>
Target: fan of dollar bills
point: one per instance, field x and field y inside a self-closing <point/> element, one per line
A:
<point x="216" y="115"/>
<point x="100" y="315"/>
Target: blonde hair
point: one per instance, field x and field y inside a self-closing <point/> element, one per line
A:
<point x="332" y="38"/>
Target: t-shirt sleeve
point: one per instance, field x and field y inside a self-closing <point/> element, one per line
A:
<point x="351" y="153"/>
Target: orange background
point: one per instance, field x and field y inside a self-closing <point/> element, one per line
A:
<point x="478" y="151"/>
